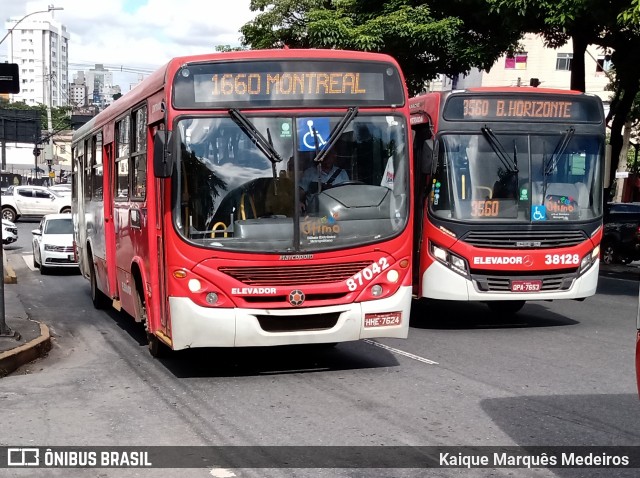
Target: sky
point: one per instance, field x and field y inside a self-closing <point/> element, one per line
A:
<point x="139" y="35"/>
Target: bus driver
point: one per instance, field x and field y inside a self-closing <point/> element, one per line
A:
<point x="330" y="175"/>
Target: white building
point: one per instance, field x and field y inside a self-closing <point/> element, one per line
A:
<point x="40" y="47"/>
<point x="550" y="66"/>
<point x="78" y="93"/>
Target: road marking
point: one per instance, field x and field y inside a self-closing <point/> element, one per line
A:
<point x="402" y="352"/>
<point x="28" y="259"/>
<point x="222" y="473"/>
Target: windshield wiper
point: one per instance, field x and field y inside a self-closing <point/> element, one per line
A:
<point x="551" y="164"/>
<point x="263" y="144"/>
<point x="560" y="147"/>
<point x="511" y="165"/>
<point x="335" y="134"/>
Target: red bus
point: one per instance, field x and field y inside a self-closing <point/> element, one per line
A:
<point x="251" y="198"/>
<point x="509" y="202"/>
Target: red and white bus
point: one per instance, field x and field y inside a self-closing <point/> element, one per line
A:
<point x="509" y="195"/>
<point x="207" y="206"/>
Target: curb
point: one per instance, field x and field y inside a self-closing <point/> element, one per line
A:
<point x="12" y="359"/>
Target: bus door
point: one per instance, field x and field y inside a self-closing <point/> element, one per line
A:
<point x="158" y="318"/>
<point x="109" y="226"/>
<point x="162" y="297"/>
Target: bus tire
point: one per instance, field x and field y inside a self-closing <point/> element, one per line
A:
<point x="506" y="307"/>
<point x="157" y="348"/>
<point x="99" y="299"/>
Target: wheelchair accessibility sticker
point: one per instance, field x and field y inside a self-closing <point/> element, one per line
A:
<point x="538" y="213"/>
<point x="306" y="127"/>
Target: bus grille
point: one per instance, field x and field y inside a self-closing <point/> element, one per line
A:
<point x="295" y="275"/>
<point x="550" y="282"/>
<point x="274" y="323"/>
<point x="524" y="239"/>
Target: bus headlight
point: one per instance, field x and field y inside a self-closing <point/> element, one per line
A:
<point x="194" y="285"/>
<point x="448" y="258"/>
<point x="589" y="259"/>
<point x="393" y="276"/>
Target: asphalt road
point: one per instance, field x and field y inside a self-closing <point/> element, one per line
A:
<point x="557" y="374"/>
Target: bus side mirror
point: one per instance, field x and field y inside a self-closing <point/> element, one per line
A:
<point x="426" y="162"/>
<point x="162" y="157"/>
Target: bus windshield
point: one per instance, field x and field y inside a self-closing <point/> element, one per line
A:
<point x="518" y="177"/>
<point x="243" y="186"/>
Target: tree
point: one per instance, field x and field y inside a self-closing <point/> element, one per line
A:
<point x="226" y="48"/>
<point x="428" y="39"/>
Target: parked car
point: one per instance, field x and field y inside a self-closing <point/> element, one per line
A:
<point x="621" y="239"/>
<point x="9" y="232"/>
<point x="63" y="189"/>
<point x="53" y="243"/>
<point x="32" y="201"/>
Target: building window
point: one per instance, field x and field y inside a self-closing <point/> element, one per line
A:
<point x="563" y="62"/>
<point x="516" y="62"/>
<point x="603" y="64"/>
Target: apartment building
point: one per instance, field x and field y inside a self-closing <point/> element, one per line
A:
<point x="40" y="47"/>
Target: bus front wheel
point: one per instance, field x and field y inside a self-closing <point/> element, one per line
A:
<point x="157" y="348"/>
<point x="505" y="307"/>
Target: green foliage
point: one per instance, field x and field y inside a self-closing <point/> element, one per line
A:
<point x="631" y="16"/>
<point x="226" y="48"/>
<point x="427" y="38"/>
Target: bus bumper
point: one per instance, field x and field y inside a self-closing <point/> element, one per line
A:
<point x="440" y="282"/>
<point x="196" y="326"/>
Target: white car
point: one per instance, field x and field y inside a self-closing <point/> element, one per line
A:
<point x="32" y="201"/>
<point x="9" y="232"/>
<point x="62" y="189"/>
<point x="53" y="243"/>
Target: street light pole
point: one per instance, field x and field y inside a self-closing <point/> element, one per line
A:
<point x="10" y="31"/>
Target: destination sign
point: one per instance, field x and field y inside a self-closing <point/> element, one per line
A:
<point x="255" y="84"/>
<point x="514" y="107"/>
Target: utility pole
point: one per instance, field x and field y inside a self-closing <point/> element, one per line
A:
<point x="48" y="155"/>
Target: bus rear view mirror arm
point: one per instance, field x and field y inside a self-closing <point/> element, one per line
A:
<point x="162" y="154"/>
